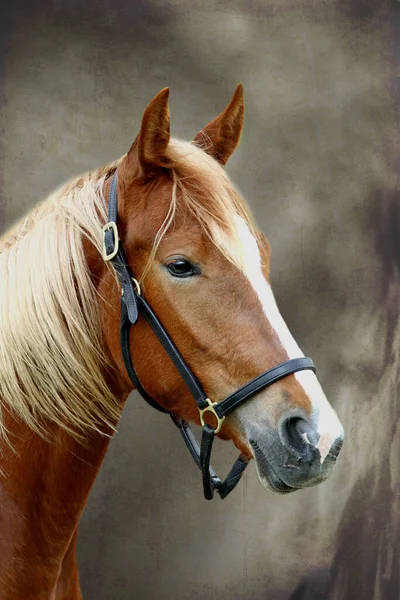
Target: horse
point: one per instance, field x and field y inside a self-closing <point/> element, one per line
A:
<point x="200" y="263"/>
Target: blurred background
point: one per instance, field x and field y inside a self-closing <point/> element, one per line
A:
<point x="318" y="164"/>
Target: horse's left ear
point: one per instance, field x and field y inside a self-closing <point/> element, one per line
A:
<point x="221" y="136"/>
<point x="149" y="148"/>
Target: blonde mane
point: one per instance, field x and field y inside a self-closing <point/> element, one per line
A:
<point x="52" y="362"/>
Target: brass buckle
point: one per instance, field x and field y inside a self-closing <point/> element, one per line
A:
<point x="111" y="225"/>
<point x="210" y="408"/>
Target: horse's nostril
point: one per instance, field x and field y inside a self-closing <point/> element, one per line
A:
<point x="298" y="436"/>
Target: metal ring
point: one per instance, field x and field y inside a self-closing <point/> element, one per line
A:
<point x="138" y="288"/>
<point x="210" y="408"/>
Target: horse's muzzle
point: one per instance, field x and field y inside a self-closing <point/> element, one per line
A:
<point x="289" y="458"/>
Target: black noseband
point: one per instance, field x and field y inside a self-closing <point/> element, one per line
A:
<point x="134" y="304"/>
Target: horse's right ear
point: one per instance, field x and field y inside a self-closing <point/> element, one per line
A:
<point x="148" y="151"/>
<point x="221" y="136"/>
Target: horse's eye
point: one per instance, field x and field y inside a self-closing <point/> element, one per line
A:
<point x="181" y="267"/>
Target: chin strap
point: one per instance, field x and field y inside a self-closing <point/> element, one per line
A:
<point x="133" y="305"/>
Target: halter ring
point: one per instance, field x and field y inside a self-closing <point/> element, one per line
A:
<point x="210" y="408"/>
<point x="137" y="286"/>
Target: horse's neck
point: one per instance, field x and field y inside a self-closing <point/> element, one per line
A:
<point x="43" y="490"/>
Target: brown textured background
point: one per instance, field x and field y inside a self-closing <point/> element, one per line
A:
<point x="319" y="165"/>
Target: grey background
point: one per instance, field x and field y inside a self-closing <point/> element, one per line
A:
<point x="318" y="163"/>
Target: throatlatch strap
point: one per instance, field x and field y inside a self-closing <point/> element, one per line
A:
<point x="188" y="437"/>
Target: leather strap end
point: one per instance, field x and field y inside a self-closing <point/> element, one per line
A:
<point x="233" y="477"/>
<point x="129" y="298"/>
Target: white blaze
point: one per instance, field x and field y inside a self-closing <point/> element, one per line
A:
<point x="328" y="424"/>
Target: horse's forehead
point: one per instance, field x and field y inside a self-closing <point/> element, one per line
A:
<point x="145" y="211"/>
<point x="186" y="232"/>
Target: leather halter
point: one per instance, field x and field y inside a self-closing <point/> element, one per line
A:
<point x="133" y="304"/>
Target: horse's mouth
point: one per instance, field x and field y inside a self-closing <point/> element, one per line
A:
<point x="269" y="479"/>
<point x="267" y="476"/>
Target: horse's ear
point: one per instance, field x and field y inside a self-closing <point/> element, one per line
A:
<point x="221" y="136"/>
<point x="149" y="148"/>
